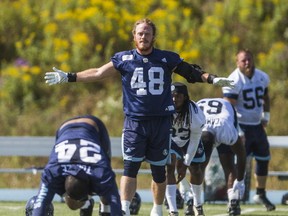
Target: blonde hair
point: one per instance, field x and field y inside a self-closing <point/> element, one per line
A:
<point x="147" y="21"/>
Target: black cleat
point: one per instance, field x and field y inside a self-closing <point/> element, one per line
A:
<point x="234" y="208"/>
<point x="262" y="199"/>
<point x="189" y="209"/>
<point x="88" y="211"/>
<point x="173" y="213"/>
<point x="198" y="210"/>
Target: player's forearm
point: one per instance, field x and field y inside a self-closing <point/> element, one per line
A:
<point x="266" y="105"/>
<point x="88" y="75"/>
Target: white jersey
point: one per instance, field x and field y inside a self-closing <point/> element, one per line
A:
<point x="184" y="133"/>
<point x="249" y="95"/>
<point x="221" y="120"/>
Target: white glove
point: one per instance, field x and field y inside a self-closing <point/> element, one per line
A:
<point x="222" y="81"/>
<point x="58" y="76"/>
<point x="240" y="186"/>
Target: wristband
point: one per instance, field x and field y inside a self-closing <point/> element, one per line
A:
<point x="210" y="78"/>
<point x="72" y="77"/>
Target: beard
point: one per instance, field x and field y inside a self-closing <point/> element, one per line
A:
<point x="248" y="71"/>
<point x="144" y="47"/>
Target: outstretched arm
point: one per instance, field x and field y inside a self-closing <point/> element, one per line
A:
<point x="194" y="73"/>
<point x="89" y="75"/>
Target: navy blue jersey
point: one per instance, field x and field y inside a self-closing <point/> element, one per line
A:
<point x="146" y="82"/>
<point x="89" y="133"/>
<point x="79" y="150"/>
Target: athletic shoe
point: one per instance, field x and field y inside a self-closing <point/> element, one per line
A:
<point x="234" y="208"/>
<point x="189" y="209"/>
<point x="262" y="199"/>
<point x="88" y="211"/>
<point x="198" y="210"/>
<point x="173" y="213"/>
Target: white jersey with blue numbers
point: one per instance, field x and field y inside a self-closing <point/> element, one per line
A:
<point x="249" y="95"/>
<point x="221" y="120"/>
<point x="146" y="82"/>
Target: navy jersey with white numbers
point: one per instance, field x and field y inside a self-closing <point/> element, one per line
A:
<point x="79" y="144"/>
<point x="82" y="149"/>
<point x="146" y="81"/>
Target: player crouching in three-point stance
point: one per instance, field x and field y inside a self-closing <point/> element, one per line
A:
<point x="222" y="128"/>
<point x="78" y="168"/>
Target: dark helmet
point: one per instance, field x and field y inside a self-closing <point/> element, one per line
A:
<point x="135" y="204"/>
<point x="179" y="200"/>
<point x="181" y="88"/>
<point x="284" y="200"/>
<point x="30" y="205"/>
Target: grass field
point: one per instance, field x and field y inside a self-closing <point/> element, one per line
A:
<point x="60" y="209"/>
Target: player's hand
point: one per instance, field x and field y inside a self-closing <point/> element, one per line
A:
<point x="240" y="187"/>
<point x="56" y="77"/>
<point x="223" y="82"/>
<point x="181" y="170"/>
<point x="265" y="118"/>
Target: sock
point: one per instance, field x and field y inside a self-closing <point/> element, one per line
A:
<point x="104" y="208"/>
<point x="171" y="197"/>
<point x="260" y="191"/>
<point x="125" y="207"/>
<point x="185" y="190"/>
<point x="156" y="210"/>
<point x="232" y="195"/>
<point x="196" y="190"/>
<point x="86" y="205"/>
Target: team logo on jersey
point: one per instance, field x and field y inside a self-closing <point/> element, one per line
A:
<point x="145" y="60"/>
<point x="165" y="152"/>
<point x="127" y="57"/>
<point x="170" y="108"/>
<point x="164" y="60"/>
<point x="128" y="150"/>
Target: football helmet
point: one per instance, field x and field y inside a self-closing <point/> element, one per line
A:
<point x="284" y="200"/>
<point x="135" y="204"/>
<point x="30" y="205"/>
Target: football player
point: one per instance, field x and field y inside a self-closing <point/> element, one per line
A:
<point x="252" y="103"/>
<point x="186" y="149"/>
<point x="221" y="127"/>
<point x="79" y="167"/>
<point x="146" y="74"/>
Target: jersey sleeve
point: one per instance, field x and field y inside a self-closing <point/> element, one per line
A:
<point x="233" y="92"/>
<point x="197" y="121"/>
<point x="44" y="198"/>
<point x="119" y="58"/>
<point x="173" y="59"/>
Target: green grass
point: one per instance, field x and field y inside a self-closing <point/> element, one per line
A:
<point x="18" y="209"/>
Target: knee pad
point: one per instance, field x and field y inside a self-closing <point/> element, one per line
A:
<point x="158" y="173"/>
<point x="261" y="168"/>
<point x="131" y="168"/>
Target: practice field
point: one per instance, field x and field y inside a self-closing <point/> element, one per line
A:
<point x="18" y="209"/>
